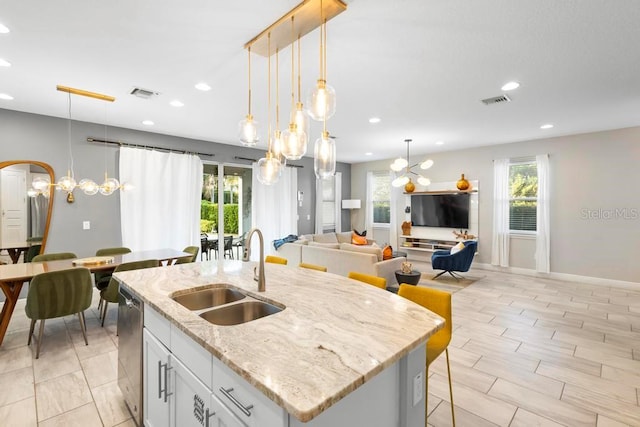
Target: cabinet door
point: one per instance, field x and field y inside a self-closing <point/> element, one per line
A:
<point x="223" y="415"/>
<point x="157" y="396"/>
<point x="192" y="398"/>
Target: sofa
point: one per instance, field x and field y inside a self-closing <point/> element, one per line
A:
<point x="336" y="252"/>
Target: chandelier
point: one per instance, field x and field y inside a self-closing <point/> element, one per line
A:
<point x="291" y="143"/>
<point x="404" y="177"/>
<point x="68" y="182"/>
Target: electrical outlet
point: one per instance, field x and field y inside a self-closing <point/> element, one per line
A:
<point x="86" y="225"/>
<point x="417" y="388"/>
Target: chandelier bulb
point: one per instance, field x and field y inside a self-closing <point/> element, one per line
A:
<point x="269" y="169"/>
<point x="248" y="131"/>
<point x="324" y="156"/>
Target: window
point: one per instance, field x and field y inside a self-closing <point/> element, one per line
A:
<point x="523" y="196"/>
<point x="328" y="205"/>
<point x="381" y="199"/>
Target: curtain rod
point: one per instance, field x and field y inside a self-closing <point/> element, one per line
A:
<point x="127" y="144"/>
<point x="254" y="160"/>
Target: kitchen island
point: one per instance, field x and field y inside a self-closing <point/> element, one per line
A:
<point x="340" y="352"/>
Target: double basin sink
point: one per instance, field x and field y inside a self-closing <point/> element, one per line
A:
<point x="222" y="305"/>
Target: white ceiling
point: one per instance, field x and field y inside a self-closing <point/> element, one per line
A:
<point x="421" y="65"/>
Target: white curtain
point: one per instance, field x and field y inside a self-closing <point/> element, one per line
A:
<point x="274" y="209"/>
<point x="319" y="198"/>
<point x="163" y="210"/>
<point x="368" y="211"/>
<point x="393" y="219"/>
<point x="500" y="248"/>
<point x="542" y="215"/>
<point x="337" y="181"/>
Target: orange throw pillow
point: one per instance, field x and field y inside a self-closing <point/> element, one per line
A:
<point x="358" y="240"/>
<point x="387" y="252"/>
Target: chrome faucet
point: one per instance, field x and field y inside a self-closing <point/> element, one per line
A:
<point x="246" y="254"/>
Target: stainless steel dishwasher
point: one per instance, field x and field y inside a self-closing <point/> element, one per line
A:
<point x="130" y="324"/>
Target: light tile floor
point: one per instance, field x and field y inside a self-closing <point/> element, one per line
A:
<point x="525" y="352"/>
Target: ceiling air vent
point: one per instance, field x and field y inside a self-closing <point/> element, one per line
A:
<point x="143" y="93"/>
<point x="496" y="100"/>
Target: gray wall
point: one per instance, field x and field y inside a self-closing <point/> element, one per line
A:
<point x="592" y="175"/>
<point x="35" y="137"/>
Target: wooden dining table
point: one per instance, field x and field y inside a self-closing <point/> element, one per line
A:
<point x="13" y="276"/>
<point x="16" y="249"/>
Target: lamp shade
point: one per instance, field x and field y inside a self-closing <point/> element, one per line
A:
<point x="351" y="204"/>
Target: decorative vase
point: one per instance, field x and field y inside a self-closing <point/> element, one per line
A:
<point x="405" y="267"/>
<point x="409" y="186"/>
<point x="406" y="228"/>
<point x="463" y="184"/>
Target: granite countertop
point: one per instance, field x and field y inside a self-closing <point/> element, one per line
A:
<point x="333" y="336"/>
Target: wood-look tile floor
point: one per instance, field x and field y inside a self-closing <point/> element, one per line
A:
<point x="525" y="352"/>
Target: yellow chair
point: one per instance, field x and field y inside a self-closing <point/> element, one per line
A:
<point x="440" y="303"/>
<point x="313" y="267"/>
<point x="379" y="282"/>
<point x="193" y="250"/>
<point x="275" y="260"/>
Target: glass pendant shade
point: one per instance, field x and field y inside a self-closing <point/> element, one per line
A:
<point x="324" y="156"/>
<point x="32" y="192"/>
<point x="398" y="164"/>
<point x="400" y="181"/>
<point x="426" y="164"/>
<point x="109" y="186"/>
<point x="40" y="184"/>
<point x="66" y="183"/>
<point x="424" y="181"/>
<point x="321" y="102"/>
<point x="294" y="143"/>
<point x="248" y="131"/>
<point x="300" y="118"/>
<point x="88" y="186"/>
<point x="269" y="169"/>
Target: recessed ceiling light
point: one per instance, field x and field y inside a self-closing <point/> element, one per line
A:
<point x="3" y="29"/>
<point x="177" y="103"/>
<point x="547" y="126"/>
<point x="148" y="122"/>
<point x="203" y="87"/>
<point x="4" y="63"/>
<point x="439" y="142"/>
<point x="374" y="120"/>
<point x="6" y="97"/>
<point x="510" y="86"/>
<point x="368" y="153"/>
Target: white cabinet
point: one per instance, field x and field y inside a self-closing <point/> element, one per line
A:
<point x="157" y="382"/>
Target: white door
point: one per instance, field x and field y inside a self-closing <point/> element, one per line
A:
<point x="13" y="205"/>
<point x="157" y="381"/>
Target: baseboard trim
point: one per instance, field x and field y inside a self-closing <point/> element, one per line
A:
<point x="560" y="276"/>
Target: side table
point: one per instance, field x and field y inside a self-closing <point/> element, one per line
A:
<point x="411" y="278"/>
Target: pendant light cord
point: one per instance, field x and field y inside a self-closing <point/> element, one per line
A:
<point x="292" y="70"/>
<point x="269" y="91"/>
<point x="70" y="164"/>
<point x="277" y="91"/>
<point x="299" y="73"/>
<point x="249" y="74"/>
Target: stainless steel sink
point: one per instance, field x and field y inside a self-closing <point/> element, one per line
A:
<point x="240" y="313"/>
<point x="208" y="298"/>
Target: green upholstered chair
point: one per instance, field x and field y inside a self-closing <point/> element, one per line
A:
<point x="54" y="256"/>
<point x="57" y="294"/>
<point x="102" y="277"/>
<point x="32" y="252"/>
<point x="193" y="250"/>
<point x="110" y="293"/>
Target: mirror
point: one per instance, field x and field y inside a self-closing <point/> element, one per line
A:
<point x="25" y="214"/>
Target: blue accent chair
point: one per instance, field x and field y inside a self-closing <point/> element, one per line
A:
<point x="460" y="261"/>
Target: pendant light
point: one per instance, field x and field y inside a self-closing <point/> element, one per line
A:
<point x="301" y="119"/>
<point x="400" y="163"/>
<point x="294" y="139"/>
<point x="248" y="127"/>
<point x="321" y="102"/>
<point x="269" y="167"/>
<point x="278" y="143"/>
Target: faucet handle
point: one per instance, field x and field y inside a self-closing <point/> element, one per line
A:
<point x="256" y="277"/>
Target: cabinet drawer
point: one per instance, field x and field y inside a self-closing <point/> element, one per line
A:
<point x="245" y="401"/>
<point x="158" y="325"/>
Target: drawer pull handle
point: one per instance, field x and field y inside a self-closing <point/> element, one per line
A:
<point x="245" y="409"/>
<point x="208" y="415"/>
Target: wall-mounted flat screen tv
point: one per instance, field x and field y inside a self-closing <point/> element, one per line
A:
<point x="440" y="210"/>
